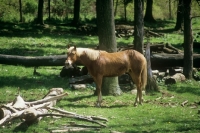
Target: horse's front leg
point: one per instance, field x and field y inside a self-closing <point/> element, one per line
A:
<point x="98" y="82"/>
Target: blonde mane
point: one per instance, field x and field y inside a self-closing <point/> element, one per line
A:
<point x="91" y="54"/>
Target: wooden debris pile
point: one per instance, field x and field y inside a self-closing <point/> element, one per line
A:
<point x="30" y="112"/>
<point x="121" y="30"/>
<point x="157" y="48"/>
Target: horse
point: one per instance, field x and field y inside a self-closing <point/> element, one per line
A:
<point x="104" y="64"/>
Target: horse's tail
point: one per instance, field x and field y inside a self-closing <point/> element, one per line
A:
<point x="144" y="75"/>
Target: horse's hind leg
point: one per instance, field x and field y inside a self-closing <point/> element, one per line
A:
<point x="136" y="79"/>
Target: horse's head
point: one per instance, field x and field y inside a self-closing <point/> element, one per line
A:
<point x="71" y="56"/>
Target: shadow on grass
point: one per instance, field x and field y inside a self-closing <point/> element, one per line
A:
<point x="186" y="88"/>
<point x="25" y="83"/>
<point x="31" y="29"/>
<point x="23" y="127"/>
<point x="182" y="126"/>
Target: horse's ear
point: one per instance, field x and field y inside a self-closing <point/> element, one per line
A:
<point x="75" y="47"/>
<point x="68" y="46"/>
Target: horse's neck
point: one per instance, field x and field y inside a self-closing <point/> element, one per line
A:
<point x="85" y="60"/>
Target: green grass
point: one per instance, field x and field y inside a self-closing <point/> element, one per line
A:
<point x="162" y="112"/>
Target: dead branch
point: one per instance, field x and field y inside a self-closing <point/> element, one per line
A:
<point x="184" y="103"/>
<point x="61" y="111"/>
<point x="48" y="99"/>
<point x="72" y="129"/>
<point x="80" y="117"/>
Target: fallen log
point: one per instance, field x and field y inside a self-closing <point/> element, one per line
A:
<point x="157" y="60"/>
<point x="56" y="60"/>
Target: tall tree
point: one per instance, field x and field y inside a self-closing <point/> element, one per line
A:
<point x="76" y="18"/>
<point x="139" y="25"/>
<point x="107" y="41"/>
<point x="40" y="12"/>
<point x="149" y="12"/>
<point x="49" y="8"/>
<point x="170" y="10"/>
<point x="20" y="11"/>
<point x="188" y="40"/>
<point x="116" y="5"/>
<point x="138" y="43"/>
<point x="179" y="15"/>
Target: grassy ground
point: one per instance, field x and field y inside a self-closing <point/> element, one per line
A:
<point x="162" y="112"/>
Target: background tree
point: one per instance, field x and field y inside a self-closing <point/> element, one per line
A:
<point x="188" y="40"/>
<point x="170" y="10"/>
<point x="138" y="43"/>
<point x="76" y="18"/>
<point x="20" y="11"/>
<point x="49" y="8"/>
<point x="148" y="14"/>
<point x="179" y="16"/>
<point x="107" y="41"/>
<point x="40" y="12"/>
<point x="139" y="25"/>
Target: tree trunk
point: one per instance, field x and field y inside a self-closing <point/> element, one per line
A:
<point x="40" y="12"/>
<point x="188" y="40"/>
<point x="125" y="19"/>
<point x="139" y="25"/>
<point x="20" y="11"/>
<point x="148" y="14"/>
<point x="179" y="16"/>
<point x="151" y="82"/>
<point x="75" y="21"/>
<point x="49" y="9"/>
<point x="170" y="10"/>
<point x="116" y="5"/>
<point x="107" y="41"/>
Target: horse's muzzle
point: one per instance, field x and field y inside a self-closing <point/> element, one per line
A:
<point x="68" y="64"/>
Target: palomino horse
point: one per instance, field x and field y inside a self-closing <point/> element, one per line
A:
<point x="103" y="64"/>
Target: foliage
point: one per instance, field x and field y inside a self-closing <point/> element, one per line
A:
<point x="29" y="6"/>
<point x="63" y="10"/>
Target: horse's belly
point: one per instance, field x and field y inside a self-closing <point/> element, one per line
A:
<point x="115" y="72"/>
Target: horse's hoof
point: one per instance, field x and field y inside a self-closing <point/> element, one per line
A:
<point x="135" y="104"/>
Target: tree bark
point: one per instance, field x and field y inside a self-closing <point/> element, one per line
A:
<point x="148" y="14"/>
<point x="188" y="40"/>
<point x="179" y="16"/>
<point x="107" y="41"/>
<point x="40" y="12"/>
<point x="139" y="25"/>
